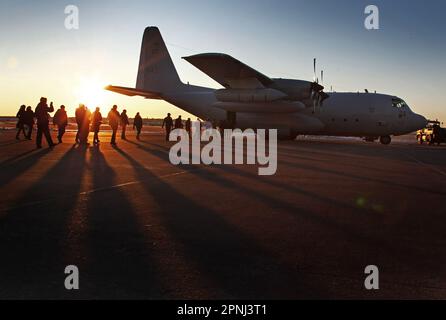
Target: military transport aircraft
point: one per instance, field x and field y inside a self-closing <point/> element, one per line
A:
<point x="250" y="99"/>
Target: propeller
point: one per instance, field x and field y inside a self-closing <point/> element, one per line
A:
<point x="317" y="95"/>
<point x="314" y="70"/>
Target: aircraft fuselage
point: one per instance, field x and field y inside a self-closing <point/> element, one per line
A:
<point x="342" y="114"/>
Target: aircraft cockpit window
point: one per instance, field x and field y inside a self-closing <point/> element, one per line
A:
<point x="398" y="103"/>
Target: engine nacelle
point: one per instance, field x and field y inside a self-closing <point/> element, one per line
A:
<point x="261" y="107"/>
<point x="249" y="95"/>
<point x="294" y="89"/>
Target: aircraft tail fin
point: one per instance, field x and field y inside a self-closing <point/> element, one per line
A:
<point x="156" y="72"/>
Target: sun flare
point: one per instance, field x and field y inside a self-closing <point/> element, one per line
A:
<point x="90" y="92"/>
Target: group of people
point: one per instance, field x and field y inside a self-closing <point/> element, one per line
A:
<point x="86" y="121"/>
<point x="169" y="123"/>
<point x="26" y="122"/>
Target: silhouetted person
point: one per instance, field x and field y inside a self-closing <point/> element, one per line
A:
<point x="178" y="123"/>
<point x="137" y="124"/>
<point x="60" y="119"/>
<point x="96" y="121"/>
<point x="83" y="124"/>
<point x="113" y="120"/>
<point x="85" y="127"/>
<point x="168" y="123"/>
<point x="20" y="124"/>
<point x="79" y="114"/>
<point x="43" y="122"/>
<point x="29" y="121"/>
<point x="124" y="123"/>
<point x="189" y="127"/>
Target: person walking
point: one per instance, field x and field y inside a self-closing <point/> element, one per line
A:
<point x="168" y="123"/>
<point x="29" y="122"/>
<point x="60" y="119"/>
<point x="96" y="121"/>
<point x="124" y="123"/>
<point x="189" y="127"/>
<point x="85" y="126"/>
<point x="80" y="114"/>
<point x="178" y="123"/>
<point x="20" y="122"/>
<point x="113" y="120"/>
<point x="43" y="122"/>
<point x="137" y="124"/>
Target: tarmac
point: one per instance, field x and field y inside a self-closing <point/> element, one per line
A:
<point x="138" y="227"/>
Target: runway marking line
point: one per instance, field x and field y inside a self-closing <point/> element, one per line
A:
<point x="83" y="193"/>
<point x="117" y="186"/>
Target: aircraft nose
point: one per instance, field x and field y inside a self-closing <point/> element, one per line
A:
<point x="419" y="122"/>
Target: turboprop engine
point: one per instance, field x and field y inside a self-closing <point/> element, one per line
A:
<point x="310" y="93"/>
<point x="294" y="89"/>
<point x="256" y="100"/>
<point x="249" y="95"/>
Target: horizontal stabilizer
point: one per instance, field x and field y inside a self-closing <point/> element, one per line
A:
<point x="134" y="92"/>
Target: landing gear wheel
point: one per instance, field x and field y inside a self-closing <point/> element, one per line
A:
<point x="385" y="140"/>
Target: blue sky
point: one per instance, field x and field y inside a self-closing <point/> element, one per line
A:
<point x="406" y="57"/>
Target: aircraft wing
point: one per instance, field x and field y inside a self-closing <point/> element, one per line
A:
<point x="228" y="71"/>
<point x="134" y="92"/>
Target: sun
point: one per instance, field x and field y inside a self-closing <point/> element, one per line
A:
<point x="90" y="92"/>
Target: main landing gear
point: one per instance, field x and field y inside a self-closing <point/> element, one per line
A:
<point x="385" y="140"/>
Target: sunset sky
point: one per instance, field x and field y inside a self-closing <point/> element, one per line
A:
<point x="40" y="57"/>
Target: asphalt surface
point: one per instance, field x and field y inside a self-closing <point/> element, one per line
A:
<point x="137" y="226"/>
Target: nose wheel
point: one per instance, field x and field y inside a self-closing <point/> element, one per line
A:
<point x="385" y="140"/>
